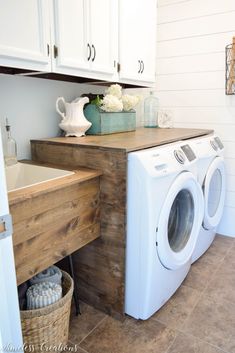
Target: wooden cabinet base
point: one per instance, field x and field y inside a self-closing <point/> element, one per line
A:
<point x="52" y="221"/>
<point x="99" y="266"/>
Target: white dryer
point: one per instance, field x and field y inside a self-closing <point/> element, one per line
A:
<point x="164" y="215"/>
<point x="211" y="176"/>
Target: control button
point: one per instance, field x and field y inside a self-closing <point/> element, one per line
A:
<point x="160" y="167"/>
<point x="179" y="156"/>
<point x="214" y="145"/>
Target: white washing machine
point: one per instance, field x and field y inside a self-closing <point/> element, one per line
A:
<point x="164" y="215"/>
<point x="211" y="176"/>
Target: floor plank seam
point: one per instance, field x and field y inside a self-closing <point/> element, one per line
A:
<point x="75" y="350"/>
<point x="99" y="323"/>
<point x="191" y="311"/>
<point x="179" y="331"/>
<point x="171" y="344"/>
<point x="209" y="343"/>
<point x="216" y="271"/>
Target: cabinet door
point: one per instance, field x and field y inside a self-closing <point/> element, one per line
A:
<point x="25" y="34"/>
<point x="147" y="38"/>
<point x="137" y="41"/>
<point x="71" y="36"/>
<point x="103" y="35"/>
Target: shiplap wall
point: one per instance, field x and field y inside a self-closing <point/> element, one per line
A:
<point x="192" y="35"/>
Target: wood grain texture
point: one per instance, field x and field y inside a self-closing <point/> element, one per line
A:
<point x="100" y="266"/>
<point x="53" y="220"/>
<point x="129" y="141"/>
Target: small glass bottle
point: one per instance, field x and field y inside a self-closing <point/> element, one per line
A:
<point x="10" y="153"/>
<point x="151" y="105"/>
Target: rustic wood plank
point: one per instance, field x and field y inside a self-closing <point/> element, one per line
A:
<point x="81" y="175"/>
<point x="54" y="219"/>
<point x="45" y="256"/>
<point x="106" y="286"/>
<point x="128" y="141"/>
<point x="33" y="204"/>
<point x="36" y="224"/>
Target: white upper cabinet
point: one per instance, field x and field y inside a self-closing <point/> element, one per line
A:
<point x="85" y="37"/>
<point x="103" y="35"/>
<point x="137" y="41"/>
<point x="109" y="40"/>
<point x="25" y="34"/>
<point x="70" y="36"/>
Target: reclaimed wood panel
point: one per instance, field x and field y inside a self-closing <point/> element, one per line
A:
<point x="53" y="222"/>
<point x="100" y="268"/>
<point x="32" y="206"/>
<point x="37" y="223"/>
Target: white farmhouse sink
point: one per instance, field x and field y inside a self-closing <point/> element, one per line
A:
<point x="21" y="175"/>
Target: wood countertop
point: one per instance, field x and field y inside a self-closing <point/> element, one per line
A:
<point x="129" y="141"/>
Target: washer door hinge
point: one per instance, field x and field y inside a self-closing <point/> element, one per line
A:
<point x="5" y="226"/>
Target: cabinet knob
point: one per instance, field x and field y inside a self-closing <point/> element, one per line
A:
<point x="139" y="62"/>
<point x="94" y="51"/>
<point x="89" y="51"/>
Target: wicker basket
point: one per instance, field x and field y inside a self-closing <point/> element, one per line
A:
<point x="48" y="326"/>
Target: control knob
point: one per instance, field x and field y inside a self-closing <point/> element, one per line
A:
<point x="179" y="156"/>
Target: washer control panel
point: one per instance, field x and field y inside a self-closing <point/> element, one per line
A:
<point x="188" y="152"/>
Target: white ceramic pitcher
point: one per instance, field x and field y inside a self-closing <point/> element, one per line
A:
<point x="74" y="123"/>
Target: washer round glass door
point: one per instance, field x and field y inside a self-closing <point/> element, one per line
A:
<point x="180" y="221"/>
<point x="214" y="193"/>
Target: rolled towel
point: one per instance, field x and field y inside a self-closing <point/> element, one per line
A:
<point x="43" y="294"/>
<point x="51" y="274"/>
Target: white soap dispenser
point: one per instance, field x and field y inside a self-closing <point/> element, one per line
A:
<point x="10" y="153"/>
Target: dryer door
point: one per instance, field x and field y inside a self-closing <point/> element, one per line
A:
<point x="214" y="193"/>
<point x="180" y="221"/>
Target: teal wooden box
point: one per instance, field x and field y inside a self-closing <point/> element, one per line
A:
<point x="109" y="123"/>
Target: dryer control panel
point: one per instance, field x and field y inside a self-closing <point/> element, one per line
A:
<point x="219" y="143"/>
<point x="188" y="152"/>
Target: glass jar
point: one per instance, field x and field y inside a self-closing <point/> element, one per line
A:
<point x="151" y="105"/>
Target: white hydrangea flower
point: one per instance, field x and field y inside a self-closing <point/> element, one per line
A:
<point x="114" y="90"/>
<point x="111" y="103"/>
<point x="129" y="102"/>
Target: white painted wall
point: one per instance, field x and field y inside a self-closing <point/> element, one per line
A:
<point x="29" y="105"/>
<point x="192" y="35"/>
